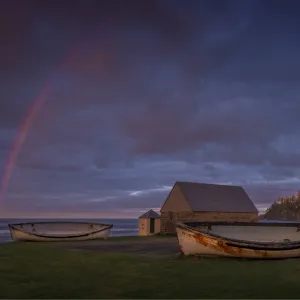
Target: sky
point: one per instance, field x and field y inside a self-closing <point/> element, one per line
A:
<point x="132" y="96"/>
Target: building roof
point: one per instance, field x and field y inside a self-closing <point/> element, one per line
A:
<point x="216" y="197"/>
<point x="151" y="214"/>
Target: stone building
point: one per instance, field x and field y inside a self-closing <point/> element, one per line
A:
<point x="188" y="202"/>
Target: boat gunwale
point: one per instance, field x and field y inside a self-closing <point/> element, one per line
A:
<point x="267" y="224"/>
<point x="13" y="227"/>
<point x="251" y="245"/>
<point x="58" y="222"/>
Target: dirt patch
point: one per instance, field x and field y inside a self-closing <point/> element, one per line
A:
<point x="153" y="246"/>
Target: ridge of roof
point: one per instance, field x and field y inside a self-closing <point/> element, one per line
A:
<point x="206" y="184"/>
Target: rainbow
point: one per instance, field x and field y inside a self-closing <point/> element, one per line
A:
<point x="26" y="124"/>
<point x="21" y="137"/>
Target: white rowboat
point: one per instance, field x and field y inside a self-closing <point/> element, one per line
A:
<point x="240" y="239"/>
<point x="59" y="231"/>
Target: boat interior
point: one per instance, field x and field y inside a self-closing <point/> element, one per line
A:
<point x="60" y="228"/>
<point x="256" y="232"/>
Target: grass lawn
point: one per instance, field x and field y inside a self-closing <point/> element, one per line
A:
<point x="42" y="271"/>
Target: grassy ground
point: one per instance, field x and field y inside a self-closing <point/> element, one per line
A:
<point x="42" y="271"/>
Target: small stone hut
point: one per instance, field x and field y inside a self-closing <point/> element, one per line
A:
<point x="189" y="201"/>
<point x="149" y="223"/>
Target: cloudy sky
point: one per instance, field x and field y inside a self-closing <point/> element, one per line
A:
<point x="131" y="96"/>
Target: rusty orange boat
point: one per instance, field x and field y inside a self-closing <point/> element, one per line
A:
<point x="240" y="239"/>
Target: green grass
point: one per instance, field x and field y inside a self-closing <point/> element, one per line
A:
<point x="43" y="271"/>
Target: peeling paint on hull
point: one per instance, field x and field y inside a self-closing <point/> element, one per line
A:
<point x="59" y="231"/>
<point x="204" y="242"/>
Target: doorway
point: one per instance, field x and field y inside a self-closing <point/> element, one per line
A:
<point x="152" y="225"/>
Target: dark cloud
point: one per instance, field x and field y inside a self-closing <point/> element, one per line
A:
<point x="238" y="130"/>
<point x="142" y="94"/>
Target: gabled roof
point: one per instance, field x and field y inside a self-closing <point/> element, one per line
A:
<point x="216" y="197"/>
<point x="151" y="214"/>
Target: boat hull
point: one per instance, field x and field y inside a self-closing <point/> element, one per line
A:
<point x="59" y="231"/>
<point x="203" y="242"/>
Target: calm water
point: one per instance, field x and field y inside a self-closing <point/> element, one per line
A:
<point x="122" y="227"/>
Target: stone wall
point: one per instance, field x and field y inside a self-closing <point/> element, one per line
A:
<point x="168" y="218"/>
